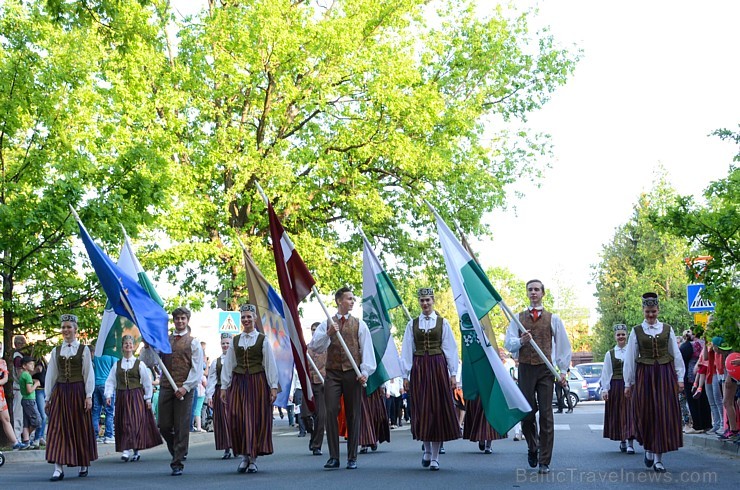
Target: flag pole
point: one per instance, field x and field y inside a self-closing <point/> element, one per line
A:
<point x="316" y="292"/>
<point x="125" y="304"/>
<point x="308" y="356"/>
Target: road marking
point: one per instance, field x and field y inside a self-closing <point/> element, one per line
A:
<point x="562" y="426"/>
<point x="596" y="426"/>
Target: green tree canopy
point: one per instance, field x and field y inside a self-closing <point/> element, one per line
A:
<point x="641" y="258"/>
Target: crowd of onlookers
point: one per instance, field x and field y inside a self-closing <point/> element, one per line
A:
<point x="710" y="397"/>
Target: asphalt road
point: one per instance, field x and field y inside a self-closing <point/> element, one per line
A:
<point x="581" y="457"/>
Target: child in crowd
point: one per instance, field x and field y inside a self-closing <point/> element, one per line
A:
<point x="31" y="416"/>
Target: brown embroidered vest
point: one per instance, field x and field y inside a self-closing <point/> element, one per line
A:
<point x="249" y="360"/>
<point x="70" y="368"/>
<point x="127" y="380"/>
<point x="180" y="361"/>
<point x="427" y="342"/>
<point x="653" y="350"/>
<point x="617" y="365"/>
<point x="336" y="359"/>
<point x="541" y="331"/>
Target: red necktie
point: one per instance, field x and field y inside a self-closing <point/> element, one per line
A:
<point x="535" y="314"/>
<point x="341" y="323"/>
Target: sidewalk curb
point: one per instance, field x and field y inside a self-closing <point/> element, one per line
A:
<point x="711" y="443"/>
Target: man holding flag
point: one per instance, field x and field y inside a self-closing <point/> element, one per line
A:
<point x="340" y="375"/>
<point x="535" y="379"/>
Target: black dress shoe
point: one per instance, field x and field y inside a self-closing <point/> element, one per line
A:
<point x="659" y="468"/>
<point x="82" y="473"/>
<point x="442" y="450"/>
<point x="58" y="477"/>
<point x="317" y="452"/>
<point x="570" y="410"/>
<point x="532" y="459"/>
<point x="363" y="450"/>
<point x="332" y="463"/>
<point x="544" y="469"/>
<point x="648" y="462"/>
<point x="425" y="462"/>
<point x="559" y="411"/>
<point x="481" y="445"/>
<point x="177" y="472"/>
<point x="623" y="447"/>
<point x="242" y="468"/>
<point x="226" y="456"/>
<point x="351" y="464"/>
<point x="374" y="447"/>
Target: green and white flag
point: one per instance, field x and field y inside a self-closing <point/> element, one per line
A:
<point x="378" y="298"/>
<point x="114" y="327"/>
<point x="483" y="373"/>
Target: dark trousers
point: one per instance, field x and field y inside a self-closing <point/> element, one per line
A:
<point x="319" y="423"/>
<point x="536" y="383"/>
<point x="396" y="407"/>
<point x="560" y="393"/>
<point x="174" y="423"/>
<point x="336" y="384"/>
<point x="298" y="402"/>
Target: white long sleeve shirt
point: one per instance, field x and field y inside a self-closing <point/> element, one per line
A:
<point x="211" y="384"/>
<point x="151" y="359"/>
<point x="268" y="360"/>
<point x="52" y="370"/>
<point x="321" y="341"/>
<point x="449" y="346"/>
<point x="608" y="370"/>
<point x="561" y="351"/>
<point x="633" y="351"/>
<point x="127" y="364"/>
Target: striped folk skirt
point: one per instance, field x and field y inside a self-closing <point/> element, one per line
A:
<point x="220" y="421"/>
<point x="433" y="416"/>
<point x="69" y="437"/>
<point x="135" y="425"/>
<point x="657" y="411"/>
<point x="374" y="425"/>
<point x="250" y="415"/>
<point x="476" y="427"/>
<point x="619" y="414"/>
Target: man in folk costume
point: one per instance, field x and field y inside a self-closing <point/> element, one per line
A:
<point x="129" y="387"/>
<point x="185" y="365"/>
<point x="249" y="386"/>
<point x="319" y="415"/>
<point x="429" y="363"/>
<point x="619" y="412"/>
<point x="341" y="379"/>
<point x="69" y="386"/>
<point x="213" y="395"/>
<point x="536" y="381"/>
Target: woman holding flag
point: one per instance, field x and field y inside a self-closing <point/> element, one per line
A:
<point x="130" y="382"/>
<point x="70" y="383"/>
<point x="213" y="395"/>
<point x="429" y="362"/>
<point x="249" y="381"/>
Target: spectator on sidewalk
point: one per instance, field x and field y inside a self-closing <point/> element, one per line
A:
<point x="4" y="415"/>
<point x="31" y="417"/>
<point x="102" y="366"/>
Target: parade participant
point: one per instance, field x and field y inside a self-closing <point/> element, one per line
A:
<point x="341" y="379"/>
<point x="249" y="382"/>
<point x="130" y="385"/>
<point x="476" y="427"/>
<point x="213" y="395"/>
<point x="536" y="381"/>
<point x="653" y="377"/>
<point x="429" y="363"/>
<point x="319" y="415"/>
<point x="374" y="424"/>
<point x="70" y="383"/>
<point x="185" y="365"/>
<point x="619" y="413"/>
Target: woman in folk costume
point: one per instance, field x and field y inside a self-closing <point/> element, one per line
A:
<point x="69" y="386"/>
<point x="249" y="381"/>
<point x="653" y="377"/>
<point x="476" y="427"/>
<point x="213" y="395"/>
<point x="134" y="421"/>
<point x="429" y="362"/>
<point x="619" y="412"/>
<point x="374" y="422"/>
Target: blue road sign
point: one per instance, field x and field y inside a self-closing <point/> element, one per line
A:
<point x="695" y="301"/>
<point x="229" y="321"/>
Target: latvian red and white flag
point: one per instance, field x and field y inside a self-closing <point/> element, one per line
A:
<point x="295" y="282"/>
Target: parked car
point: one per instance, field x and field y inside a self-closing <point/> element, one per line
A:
<point x="578" y="389"/>
<point x="591" y="371"/>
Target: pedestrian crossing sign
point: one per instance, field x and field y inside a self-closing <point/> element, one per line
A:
<point x="228" y="321"/>
<point x="695" y="300"/>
